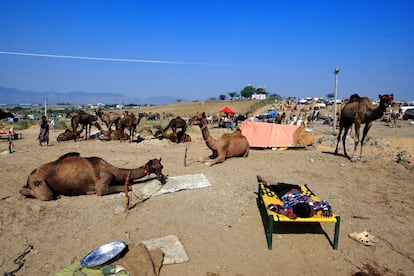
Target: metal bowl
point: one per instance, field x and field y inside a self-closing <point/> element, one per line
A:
<point x="103" y="254"/>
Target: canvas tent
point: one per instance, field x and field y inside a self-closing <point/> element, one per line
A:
<point x="227" y="109"/>
<point x="266" y="135"/>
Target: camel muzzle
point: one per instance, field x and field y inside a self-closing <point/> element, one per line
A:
<point x="162" y="178"/>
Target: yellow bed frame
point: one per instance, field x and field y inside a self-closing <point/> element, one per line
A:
<point x="266" y="197"/>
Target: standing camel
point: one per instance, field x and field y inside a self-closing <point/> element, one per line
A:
<point x="109" y="118"/>
<point x="179" y="137"/>
<point x="84" y="119"/>
<point x="176" y="123"/>
<point x="129" y="121"/>
<point x="360" y="111"/>
<point x="228" y="145"/>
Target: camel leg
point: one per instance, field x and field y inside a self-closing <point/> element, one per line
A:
<point x="344" y="141"/>
<point x="364" y="134"/>
<point x="207" y="158"/>
<point x="203" y="159"/>
<point x="219" y="159"/>
<point x="339" y="138"/>
<point x="356" y="141"/>
<point x="104" y="189"/>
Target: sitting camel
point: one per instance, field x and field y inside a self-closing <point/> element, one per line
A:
<point x="72" y="175"/>
<point x="179" y="137"/>
<point x="108" y="135"/>
<point x="68" y="135"/>
<point x="228" y="145"/>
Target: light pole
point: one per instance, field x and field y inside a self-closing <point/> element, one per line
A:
<point x="336" y="72"/>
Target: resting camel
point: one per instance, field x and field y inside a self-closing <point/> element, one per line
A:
<point x="73" y="175"/>
<point x="129" y="121"/>
<point x="228" y="145"/>
<point x="108" y="135"/>
<point x="179" y="137"/>
<point x="360" y="111"/>
<point x="68" y="135"/>
<point x="84" y="119"/>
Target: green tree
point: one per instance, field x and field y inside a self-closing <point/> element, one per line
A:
<point x="247" y="91"/>
<point x="330" y="95"/>
<point x="222" y="97"/>
<point x="232" y="94"/>
<point x="275" y="96"/>
<point x="261" y="90"/>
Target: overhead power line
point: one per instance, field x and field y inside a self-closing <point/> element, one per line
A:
<point x="110" y="59"/>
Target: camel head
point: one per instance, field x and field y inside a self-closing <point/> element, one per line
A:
<point x="36" y="186"/>
<point x="199" y="119"/>
<point x="155" y="166"/>
<point x="385" y="101"/>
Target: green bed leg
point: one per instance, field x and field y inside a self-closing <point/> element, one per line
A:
<point x="336" y="236"/>
<point x="270" y="232"/>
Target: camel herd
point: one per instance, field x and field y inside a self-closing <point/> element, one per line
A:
<point x="83" y="121"/>
<point x="96" y="176"/>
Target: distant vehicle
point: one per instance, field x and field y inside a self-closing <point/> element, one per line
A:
<point x="404" y="109"/>
<point x="409" y="114"/>
<point x="321" y="105"/>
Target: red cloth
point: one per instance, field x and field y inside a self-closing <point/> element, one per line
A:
<point x="227" y="109"/>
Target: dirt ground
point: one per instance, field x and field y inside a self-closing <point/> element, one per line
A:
<point x="220" y="226"/>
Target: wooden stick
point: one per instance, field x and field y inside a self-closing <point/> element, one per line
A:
<point x="185" y="154"/>
<point x="127" y="191"/>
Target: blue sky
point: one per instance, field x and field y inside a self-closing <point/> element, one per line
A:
<point x="201" y="49"/>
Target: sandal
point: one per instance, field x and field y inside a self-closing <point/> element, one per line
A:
<point x="364" y="237"/>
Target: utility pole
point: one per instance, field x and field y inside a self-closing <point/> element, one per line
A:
<point x="336" y="72"/>
<point x="46" y="106"/>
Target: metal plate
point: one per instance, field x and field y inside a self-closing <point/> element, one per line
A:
<point x="103" y="254"/>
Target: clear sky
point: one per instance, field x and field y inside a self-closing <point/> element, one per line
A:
<point x="201" y="49"/>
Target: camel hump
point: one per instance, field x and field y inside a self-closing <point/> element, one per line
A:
<point x="69" y="154"/>
<point x="354" y="98"/>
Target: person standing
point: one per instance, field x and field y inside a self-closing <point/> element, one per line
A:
<point x="44" y="131"/>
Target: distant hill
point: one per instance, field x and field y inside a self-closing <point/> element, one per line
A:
<point x="13" y="96"/>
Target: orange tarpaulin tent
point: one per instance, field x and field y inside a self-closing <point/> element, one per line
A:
<point x="227" y="109"/>
<point x="266" y="135"/>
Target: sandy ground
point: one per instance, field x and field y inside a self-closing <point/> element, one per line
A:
<point x="220" y="226"/>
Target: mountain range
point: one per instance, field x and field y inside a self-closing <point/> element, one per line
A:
<point x="13" y="96"/>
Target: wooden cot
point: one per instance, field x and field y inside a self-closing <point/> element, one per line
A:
<point x="270" y="218"/>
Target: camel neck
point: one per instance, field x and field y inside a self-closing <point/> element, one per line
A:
<point x="205" y="132"/>
<point x="377" y="113"/>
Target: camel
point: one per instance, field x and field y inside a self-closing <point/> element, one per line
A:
<point x="84" y="119"/>
<point x="68" y="135"/>
<point x="280" y="118"/>
<point x="108" y="135"/>
<point x="358" y="111"/>
<point x="72" y="175"/>
<point x="228" y="145"/>
<point x="176" y="123"/>
<point x="5" y="114"/>
<point x="129" y="121"/>
<point x="109" y="118"/>
<point x="179" y="137"/>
